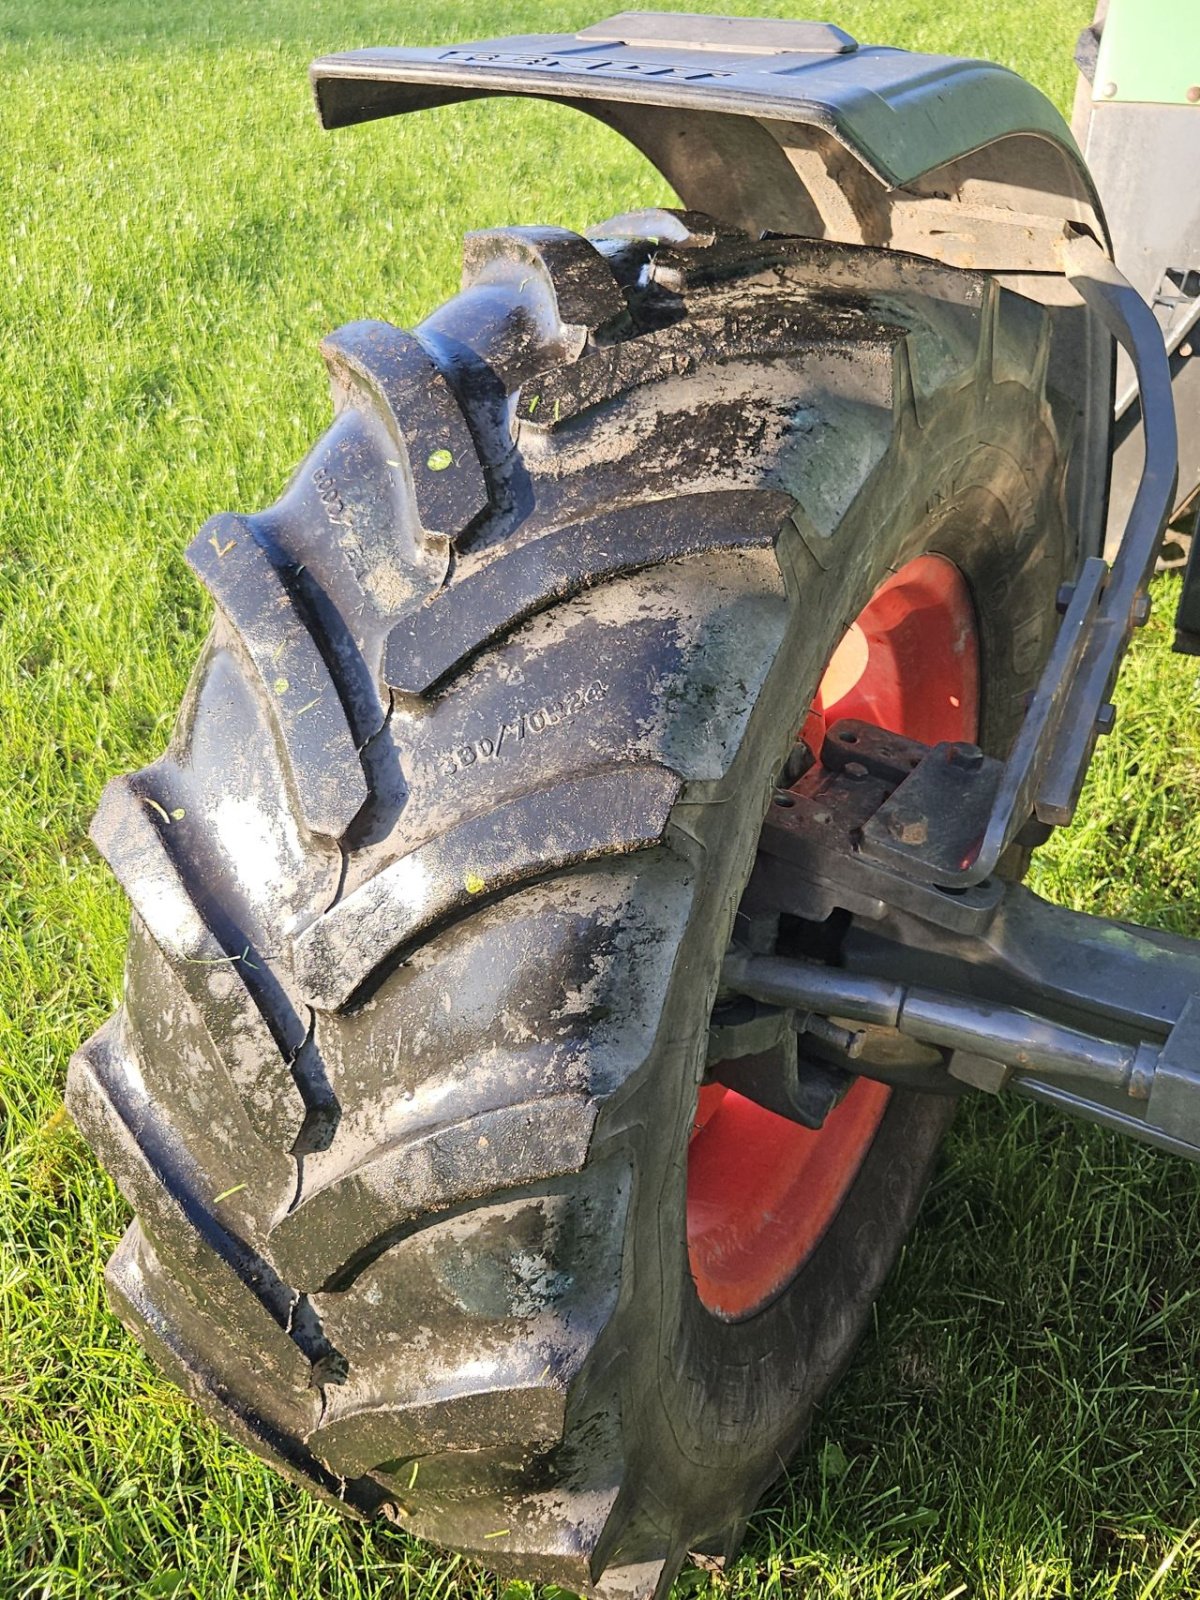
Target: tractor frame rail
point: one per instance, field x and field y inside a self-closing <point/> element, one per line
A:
<point x="984" y="987"/>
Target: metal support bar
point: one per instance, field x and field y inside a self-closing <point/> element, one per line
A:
<point x="1147" y="1089"/>
<point x="1024" y="1042"/>
<point x="1131" y="322"/>
<point x="1046" y="768"/>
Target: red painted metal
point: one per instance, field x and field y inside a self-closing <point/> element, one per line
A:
<point x="763" y="1190"/>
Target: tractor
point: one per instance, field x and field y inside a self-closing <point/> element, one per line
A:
<point x="587" y="868"/>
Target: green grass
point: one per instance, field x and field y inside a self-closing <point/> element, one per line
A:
<point x="177" y="235"/>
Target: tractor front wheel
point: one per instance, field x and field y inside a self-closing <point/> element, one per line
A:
<point x="432" y="888"/>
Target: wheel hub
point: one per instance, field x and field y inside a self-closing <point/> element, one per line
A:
<point x="762" y="1188"/>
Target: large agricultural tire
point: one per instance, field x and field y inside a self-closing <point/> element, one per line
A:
<point x="432" y="887"/>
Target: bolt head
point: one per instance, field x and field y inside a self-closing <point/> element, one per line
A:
<point x="1106" y="718"/>
<point x="855" y="769"/>
<point x="1141" y="611"/>
<point x="1193" y="94"/>
<point x="1109" y="90"/>
<point x="969" y="757"/>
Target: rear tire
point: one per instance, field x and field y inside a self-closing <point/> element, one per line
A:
<point x="419" y="982"/>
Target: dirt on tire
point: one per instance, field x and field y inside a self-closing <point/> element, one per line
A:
<point x="431" y="888"/>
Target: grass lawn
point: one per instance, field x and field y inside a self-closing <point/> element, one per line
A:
<point x="1024" y="1420"/>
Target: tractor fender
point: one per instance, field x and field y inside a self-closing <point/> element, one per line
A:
<point x="795" y="128"/>
<point x="790" y="127"/>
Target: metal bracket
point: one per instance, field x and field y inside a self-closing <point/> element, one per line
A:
<point x="870" y="784"/>
<point x="1175" y="1087"/>
<point x="754" y="1049"/>
<point x="1099" y="1018"/>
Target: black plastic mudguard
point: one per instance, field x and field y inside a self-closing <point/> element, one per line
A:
<point x="659" y="77"/>
<point x="774" y="126"/>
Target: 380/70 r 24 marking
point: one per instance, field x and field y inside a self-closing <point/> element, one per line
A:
<point x="550" y="715"/>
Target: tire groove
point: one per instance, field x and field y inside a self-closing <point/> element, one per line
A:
<point x="436" y="639"/>
<point x="297" y="687"/>
<point x="615" y="811"/>
<point x="444" y="1166"/>
<point x="128" y="831"/>
<point x="153" y="1172"/>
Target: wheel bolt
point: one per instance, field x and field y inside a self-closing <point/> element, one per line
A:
<point x="967" y="756"/>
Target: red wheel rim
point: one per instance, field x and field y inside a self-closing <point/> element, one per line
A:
<point x="761" y="1190"/>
